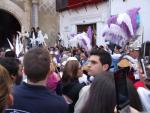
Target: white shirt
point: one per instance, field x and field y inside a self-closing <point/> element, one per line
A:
<point x="145" y="98"/>
<point x="83" y="97"/>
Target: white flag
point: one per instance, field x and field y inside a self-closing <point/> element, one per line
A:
<point x="10" y="44"/>
<point x="17" y="46"/>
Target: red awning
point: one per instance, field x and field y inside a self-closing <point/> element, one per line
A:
<point x="78" y="3"/>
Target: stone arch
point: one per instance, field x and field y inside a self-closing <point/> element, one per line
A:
<point x="9" y="25"/>
<point x="17" y="12"/>
<point x="6" y="11"/>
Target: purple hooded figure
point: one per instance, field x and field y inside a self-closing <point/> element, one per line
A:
<point x="135" y="20"/>
<point x="90" y="33"/>
<point x="120" y="28"/>
<point x="129" y="21"/>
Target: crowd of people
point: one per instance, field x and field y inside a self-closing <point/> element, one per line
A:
<point x="71" y="80"/>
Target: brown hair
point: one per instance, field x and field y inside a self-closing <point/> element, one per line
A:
<point x="70" y="71"/>
<point x="102" y="96"/>
<point x="36" y="64"/>
<point x="5" y="84"/>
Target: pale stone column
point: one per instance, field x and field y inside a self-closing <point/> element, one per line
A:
<point x="28" y="11"/>
<point x="35" y="13"/>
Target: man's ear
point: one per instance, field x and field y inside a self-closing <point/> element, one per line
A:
<point x="13" y="77"/>
<point x="10" y="100"/>
<point x="105" y="67"/>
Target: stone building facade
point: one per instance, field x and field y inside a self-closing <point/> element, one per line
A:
<point x="32" y="13"/>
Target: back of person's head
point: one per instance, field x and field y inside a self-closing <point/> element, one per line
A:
<point x="70" y="71"/>
<point x="36" y="64"/>
<point x="83" y="56"/>
<point x="117" y="49"/>
<point x="101" y="46"/>
<point x="38" y="28"/>
<point x="10" y="54"/>
<point x="5" y="85"/>
<point x="33" y="28"/>
<point x="102" y="98"/>
<point x="12" y="66"/>
<point x="104" y="56"/>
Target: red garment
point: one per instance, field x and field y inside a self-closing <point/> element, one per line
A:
<point x="139" y="84"/>
<point x="79" y="3"/>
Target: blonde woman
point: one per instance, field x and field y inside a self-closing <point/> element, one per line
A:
<point x="53" y="78"/>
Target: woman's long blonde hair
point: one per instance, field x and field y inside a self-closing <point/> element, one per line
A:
<point x="53" y="65"/>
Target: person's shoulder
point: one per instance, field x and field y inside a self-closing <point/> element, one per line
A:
<point x="17" y="88"/>
<point x="75" y="89"/>
<point x="59" y="102"/>
<point x="79" y="85"/>
<point x="85" y="89"/>
<point x="83" y="97"/>
<point x="57" y="99"/>
<point x="143" y="91"/>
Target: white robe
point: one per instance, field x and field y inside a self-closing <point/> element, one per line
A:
<point x="145" y="98"/>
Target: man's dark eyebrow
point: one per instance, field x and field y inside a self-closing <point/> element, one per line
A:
<point x="92" y="61"/>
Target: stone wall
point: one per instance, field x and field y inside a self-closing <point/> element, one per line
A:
<point x="49" y="24"/>
<point x="21" y="9"/>
<point x="21" y="15"/>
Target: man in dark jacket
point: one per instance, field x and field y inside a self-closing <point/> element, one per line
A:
<point x="33" y="96"/>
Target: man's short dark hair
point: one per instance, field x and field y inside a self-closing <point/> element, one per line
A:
<point x="36" y="64"/>
<point x="10" y="54"/>
<point x="104" y="56"/>
<point x="11" y="64"/>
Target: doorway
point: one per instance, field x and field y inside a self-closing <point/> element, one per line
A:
<point x="84" y="28"/>
<point x="9" y="26"/>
